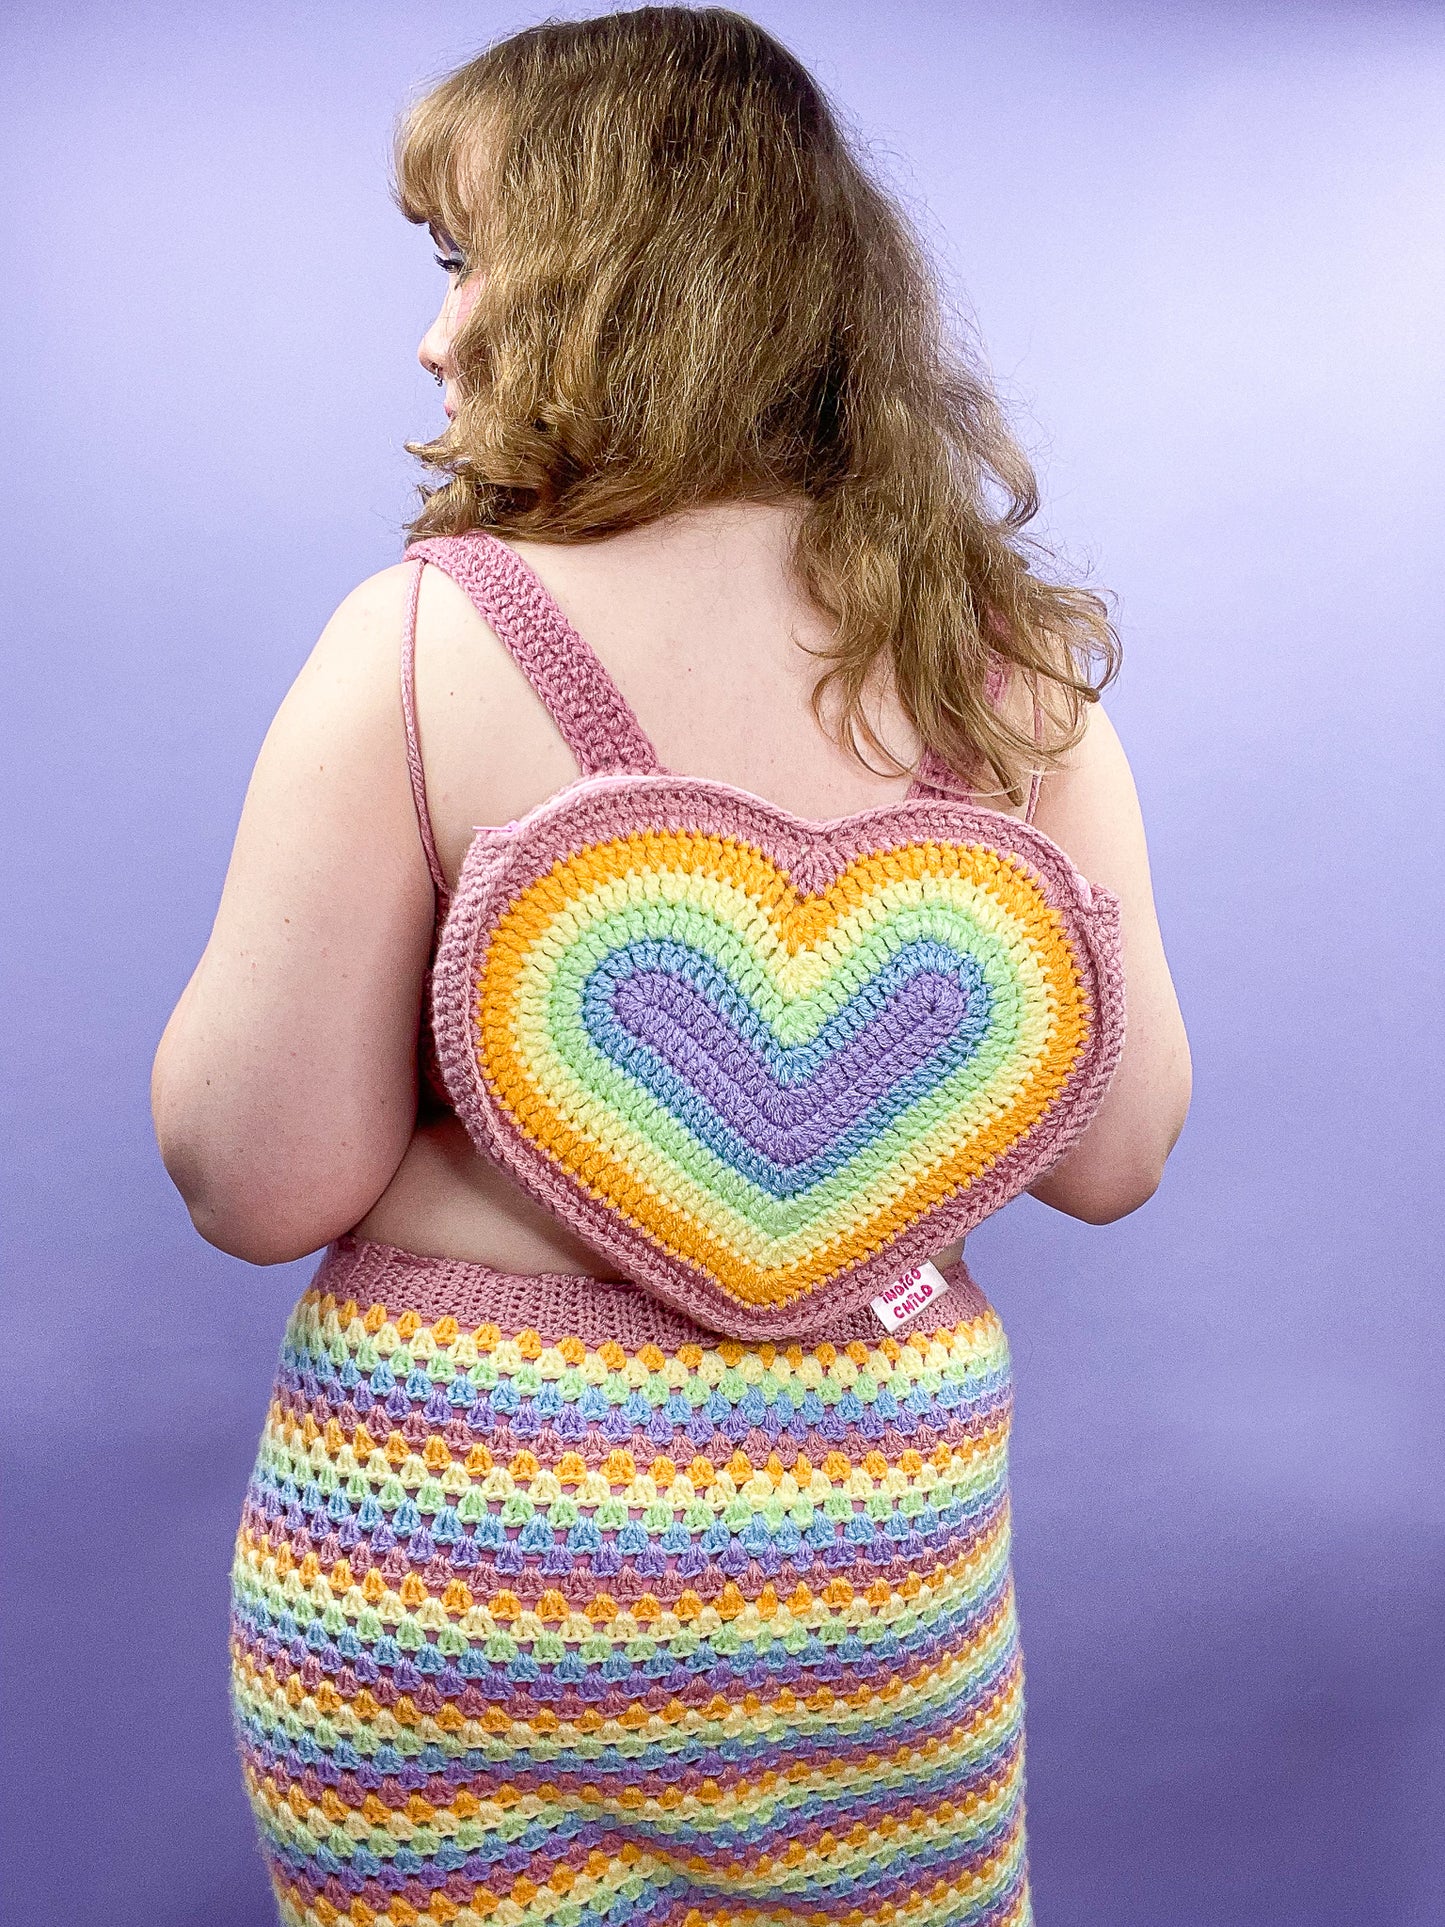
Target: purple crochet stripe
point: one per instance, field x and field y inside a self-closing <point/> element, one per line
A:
<point x="884" y="1885"/>
<point x="860" y="1564"/>
<point x="430" y="1692"/>
<point x="865" y="1808"/>
<point x="596" y="809"/>
<point x="394" y="1790"/>
<point x="787" y="1123"/>
<point x="595" y="1446"/>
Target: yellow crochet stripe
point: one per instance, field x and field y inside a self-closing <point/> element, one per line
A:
<point x="951" y="1749"/>
<point x="819" y="1715"/>
<point x="343" y="1321"/>
<point x="881" y="1175"/>
<point x="525" y="1904"/>
<point x="948" y="1750"/>
<point x="661" y="1817"/>
<point x="945" y="1750"/>
<point x="528" y="1898"/>
<point x="383" y="1456"/>
<point x="798" y="986"/>
<point x="918" y="1597"/>
<point x="795" y="923"/>
<point x="602" y="1874"/>
<point x="526" y="1024"/>
<point x="290" y="1814"/>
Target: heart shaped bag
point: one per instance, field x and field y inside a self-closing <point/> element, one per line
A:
<point x="763" y="1064"/>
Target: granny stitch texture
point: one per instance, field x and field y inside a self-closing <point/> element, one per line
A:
<point x="550" y="1607"/>
<point x="764" y="1064"/>
<point x="551" y="1604"/>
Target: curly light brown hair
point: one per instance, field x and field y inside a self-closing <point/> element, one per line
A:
<point x="692" y="290"/>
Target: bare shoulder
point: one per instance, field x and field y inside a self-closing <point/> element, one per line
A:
<point x="341" y="719"/>
<point x="490" y="750"/>
<point x="363" y="635"/>
<point x="349" y="687"/>
<point x="1089" y="806"/>
<point x="1097" y="758"/>
<point x="367" y="627"/>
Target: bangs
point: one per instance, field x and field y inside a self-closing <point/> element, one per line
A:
<point x="696" y="291"/>
<point x="435" y="163"/>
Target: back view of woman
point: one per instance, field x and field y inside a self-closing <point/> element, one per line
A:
<point x="629" y="1535"/>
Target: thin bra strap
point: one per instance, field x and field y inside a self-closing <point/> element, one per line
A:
<point x="594" y="718"/>
<point x="413" y="742"/>
<point x="1036" y="776"/>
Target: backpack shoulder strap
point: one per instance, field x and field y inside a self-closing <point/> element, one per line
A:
<point x="594" y="718"/>
<point x="937" y="778"/>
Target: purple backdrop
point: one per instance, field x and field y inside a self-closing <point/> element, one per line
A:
<point x="1204" y="245"/>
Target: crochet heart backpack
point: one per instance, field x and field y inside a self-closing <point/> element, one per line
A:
<point x="764" y="1064"/>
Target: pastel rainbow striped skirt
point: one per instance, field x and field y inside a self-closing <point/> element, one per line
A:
<point x="551" y="1606"/>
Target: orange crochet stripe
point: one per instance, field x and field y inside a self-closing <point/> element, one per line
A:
<point x="445" y="1332"/>
<point x="897" y="1696"/>
<point x="796" y="921"/>
<point x="918" y="1901"/>
<point x="619" y="1468"/>
<point x="999" y="1708"/>
<point x="728" y="1600"/>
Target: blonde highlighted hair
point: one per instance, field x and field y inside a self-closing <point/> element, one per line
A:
<point x="692" y="290"/>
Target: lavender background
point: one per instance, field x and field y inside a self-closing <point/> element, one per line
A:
<point x="1204" y="245"/>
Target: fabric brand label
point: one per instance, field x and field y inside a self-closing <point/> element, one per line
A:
<point x="907" y="1295"/>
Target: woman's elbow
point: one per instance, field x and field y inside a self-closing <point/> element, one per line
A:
<point x="256" y="1237"/>
<point x="1101" y="1189"/>
<point x="1106" y="1200"/>
<point x="241" y="1217"/>
<point x="266" y="1211"/>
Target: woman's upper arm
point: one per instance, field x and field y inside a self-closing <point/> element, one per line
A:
<point x="284" y="1088"/>
<point x="1090" y="808"/>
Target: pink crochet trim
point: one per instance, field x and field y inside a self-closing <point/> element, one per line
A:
<point x="561" y="1304"/>
<point x="500" y="865"/>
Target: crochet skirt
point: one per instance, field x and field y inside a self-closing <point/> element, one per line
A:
<point x="549" y="1605"/>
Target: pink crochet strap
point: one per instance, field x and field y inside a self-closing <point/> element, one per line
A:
<point x="413" y="741"/>
<point x="594" y="718"/>
<point x="934" y="777"/>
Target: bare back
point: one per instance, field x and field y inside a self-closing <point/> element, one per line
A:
<point x="284" y="1088"/>
<point x="705" y="628"/>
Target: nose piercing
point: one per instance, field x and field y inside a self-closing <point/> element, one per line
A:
<point x="437" y="376"/>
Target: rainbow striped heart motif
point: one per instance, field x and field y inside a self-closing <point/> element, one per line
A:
<point x="753" y="1063"/>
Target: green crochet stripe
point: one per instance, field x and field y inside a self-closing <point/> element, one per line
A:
<point x="576" y="1075"/>
<point x="746" y="947"/>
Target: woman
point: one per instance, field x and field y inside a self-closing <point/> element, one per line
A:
<point x="553" y="1601"/>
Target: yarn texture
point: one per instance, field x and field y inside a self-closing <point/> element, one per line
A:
<point x="680" y="1598"/>
<point x="764" y="1064"/>
<point x="532" y="1624"/>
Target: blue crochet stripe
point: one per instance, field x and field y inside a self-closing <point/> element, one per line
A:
<point x="788" y="1064"/>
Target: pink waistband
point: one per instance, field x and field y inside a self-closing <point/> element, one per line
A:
<point x="560" y="1304"/>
